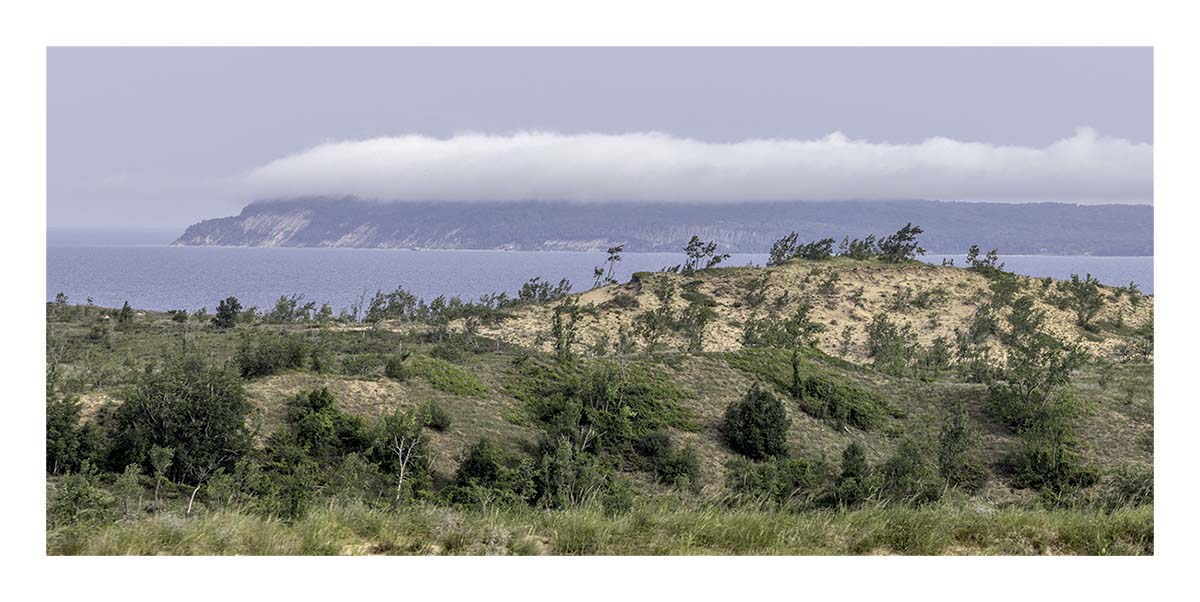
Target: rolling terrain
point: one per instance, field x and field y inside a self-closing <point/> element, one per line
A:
<point x="683" y="338"/>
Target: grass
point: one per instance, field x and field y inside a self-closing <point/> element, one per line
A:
<point x="445" y="376"/>
<point x="650" y="529"/>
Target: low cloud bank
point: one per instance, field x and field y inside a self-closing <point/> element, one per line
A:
<point x="1085" y="168"/>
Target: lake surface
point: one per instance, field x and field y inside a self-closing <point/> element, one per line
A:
<point x="158" y="276"/>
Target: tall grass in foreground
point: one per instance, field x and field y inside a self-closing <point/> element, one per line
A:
<point x="646" y="530"/>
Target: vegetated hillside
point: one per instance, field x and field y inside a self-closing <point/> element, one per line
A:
<point x="751" y="227"/>
<point x="627" y="399"/>
<point x="845" y="297"/>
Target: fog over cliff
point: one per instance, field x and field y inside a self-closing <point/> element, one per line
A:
<point x="1084" y="168"/>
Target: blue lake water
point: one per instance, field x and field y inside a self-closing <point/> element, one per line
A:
<point x="158" y="276"/>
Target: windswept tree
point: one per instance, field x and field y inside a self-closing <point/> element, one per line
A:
<point x="700" y="256"/>
<point x="902" y="245"/>
<point x="605" y="275"/>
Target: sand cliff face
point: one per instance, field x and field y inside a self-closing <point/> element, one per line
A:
<point x="1044" y="228"/>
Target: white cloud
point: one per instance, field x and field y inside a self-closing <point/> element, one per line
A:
<point x="1085" y="168"/>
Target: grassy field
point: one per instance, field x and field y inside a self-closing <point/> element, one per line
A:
<point x="646" y="530"/>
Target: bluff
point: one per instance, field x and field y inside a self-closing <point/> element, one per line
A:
<point x="751" y="227"/>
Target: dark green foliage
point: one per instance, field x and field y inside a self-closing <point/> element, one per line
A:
<point x="796" y="483"/>
<point x="434" y="416"/>
<point x="756" y="425"/>
<point x="69" y="441"/>
<point x="196" y="409"/>
<point x="125" y="315"/>
<point x="568" y="477"/>
<point x="1049" y="456"/>
<point x="227" y="313"/>
<point x="488" y="475"/>
<point x="1037" y="365"/>
<point x="621" y="301"/>
<point x="856" y="482"/>
<point x="783" y="249"/>
<point x="891" y="347"/>
<point x="605" y="276"/>
<point x="844" y="405"/>
<point x="80" y="498"/>
<point x="700" y="256"/>
<point x="289" y="484"/>
<point x="537" y="290"/>
<point x="669" y="464"/>
<point x="396" y="305"/>
<point x="695" y="317"/>
<point x="911" y="474"/>
<point x="956" y="453"/>
<point x="987" y="265"/>
<point x="564" y="327"/>
<point x="401" y="449"/>
<point x="859" y="249"/>
<point x="601" y="408"/>
<point x="799" y="329"/>
<point x="1085" y="299"/>
<point x="266" y="354"/>
<point x="289" y="309"/>
<point x="902" y="245"/>
<point x="316" y="425"/>
<point x="786" y="248"/>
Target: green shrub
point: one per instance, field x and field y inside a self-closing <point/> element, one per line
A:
<point x="360" y="364"/>
<point x="317" y="426"/>
<point x="857" y="482"/>
<point x="956" y="452"/>
<point x="602" y="407"/>
<point x="910" y="475"/>
<point x="435" y="416"/>
<point x="756" y="425"/>
<point x="266" y="354"/>
<point x="845" y="405"/>
<point x="668" y="463"/>
<point x="79" y="498"/>
<point x="782" y="482"/>
<point x="199" y="410"/>
<point x="69" y="441"/>
<point x="488" y="475"/>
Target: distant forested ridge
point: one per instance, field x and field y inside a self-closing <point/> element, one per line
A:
<point x="951" y="227"/>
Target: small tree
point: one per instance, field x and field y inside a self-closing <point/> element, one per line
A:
<point x="854" y="484"/>
<point x="1086" y="299"/>
<point x="401" y="448"/>
<point x="756" y="425"/>
<point x="161" y="459"/>
<point x="604" y="276"/>
<point x="956" y="452"/>
<point x="987" y="264"/>
<point x="125" y="315"/>
<point x="902" y="245"/>
<point x="783" y="249"/>
<point x="700" y="256"/>
<point x="228" y="311"/>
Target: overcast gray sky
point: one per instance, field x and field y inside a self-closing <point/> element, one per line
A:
<point x="168" y="136"/>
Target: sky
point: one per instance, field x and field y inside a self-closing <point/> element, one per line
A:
<point x="164" y="137"/>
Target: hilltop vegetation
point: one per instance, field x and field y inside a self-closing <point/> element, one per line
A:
<point x="703" y="409"/>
